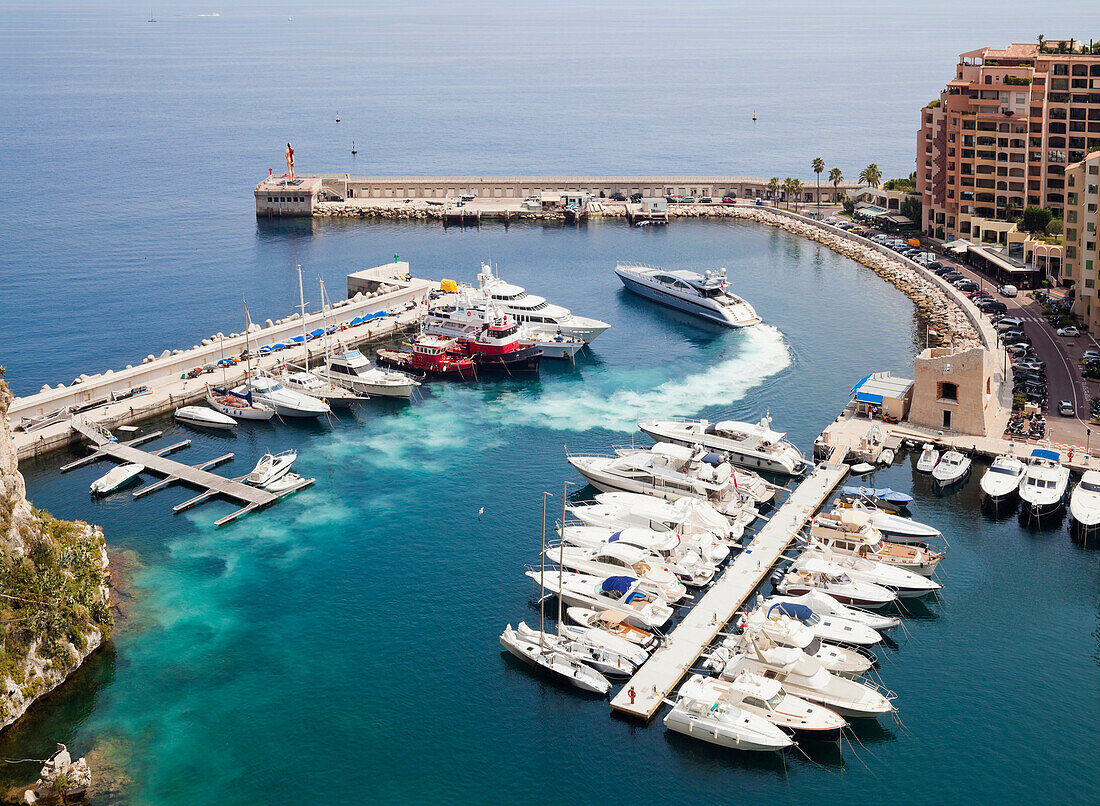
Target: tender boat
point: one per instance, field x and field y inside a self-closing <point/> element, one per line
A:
<point x="886" y="457"/>
<point x="702" y="712"/>
<point x="1002" y="479"/>
<point x="786" y="631"/>
<point x="642" y="609"/>
<point x="752" y="445"/>
<point x="564" y="348"/>
<point x="824" y="577"/>
<point x="550" y="657"/>
<point x="883" y="498"/>
<point x="827" y="606"/>
<point x="768" y="699"/>
<point x="115" y="478"/>
<point x="852" y="531"/>
<point x="286" y="402"/>
<point x="204" y="418"/>
<point x="622" y="558"/>
<point x="664" y="549"/>
<point x="825" y="626"/>
<point x="929" y="456"/>
<point x="352" y="369"/>
<point x="287" y="481"/>
<point x="1084" y="503"/>
<point x="309" y="383"/>
<point x="952" y="468"/>
<point x="614" y="623"/>
<point x="431" y="355"/>
<point x="1043" y="488"/>
<point x="687" y="516"/>
<point x="904" y="583"/>
<point x="891" y="525"/>
<point x="270" y="467"/>
<point x="600" y="658"/>
<point x="704" y="296"/>
<point x="238" y="406"/>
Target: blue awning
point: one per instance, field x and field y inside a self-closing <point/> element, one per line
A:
<point x="860" y="383"/>
<point x="796" y="611"/>
<point x="1041" y="453"/>
<point x="620" y="584"/>
<point x="865" y="397"/>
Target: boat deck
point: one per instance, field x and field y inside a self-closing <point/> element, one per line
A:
<point x="657" y="677"/>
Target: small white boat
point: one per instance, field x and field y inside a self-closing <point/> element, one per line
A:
<point x="602" y="638"/>
<point x="1043" y="489"/>
<point x="862" y="468"/>
<point x="559" y="663"/>
<point x="286" y="402"/>
<point x="116" y="477"/>
<point x="271" y="467"/>
<point x="557" y="346"/>
<point x="768" y="699"/>
<point x="886" y="457"/>
<point x="204" y="417"/>
<point x="600" y="658"/>
<point x="703" y="713"/>
<point x="238" y="406"/>
<point x="1084" y="503"/>
<point x="824" y="605"/>
<point x="308" y="383"/>
<point x="641" y="608"/>
<point x="614" y="623"/>
<point x="952" y="468"/>
<point x="929" y="456"/>
<point x="1002" y="479"/>
<point x="287" y="481"/>
<point x="786" y="631"/>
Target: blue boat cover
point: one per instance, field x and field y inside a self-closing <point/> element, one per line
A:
<point x="798" y="611"/>
<point x="266" y="348"/>
<point x="298" y="339"/>
<point x="885" y="493"/>
<point x="1042" y="453"/>
<point x="620" y="584"/>
<point x="314" y="334"/>
<point x="225" y="362"/>
<point x="713" y="459"/>
<point x="615" y="537"/>
<point x="356" y="321"/>
<point x="279" y="346"/>
<point x="240" y="395"/>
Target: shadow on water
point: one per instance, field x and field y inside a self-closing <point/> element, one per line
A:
<point x="701" y="331"/>
<point x="512" y="663"/>
<point x="707" y="755"/>
<point x="999" y="508"/>
<point x="916" y="609"/>
<point x="279" y="229"/>
<point x="1041" y="523"/>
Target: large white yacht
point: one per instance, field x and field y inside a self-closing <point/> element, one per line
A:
<point x="533" y="311"/>
<point x="1084" y="503"/>
<point x="354" y="370"/>
<point x="705" y="296"/>
<point x="753" y="445"/>
<point x="1043" y="489"/>
<point x="286" y="402"/>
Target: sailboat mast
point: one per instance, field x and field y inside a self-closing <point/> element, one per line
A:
<point x="302" y="308"/>
<point x="247" y="347"/>
<point x="542" y="579"/>
<point x="324" y="319"/>
<point x="561" y="550"/>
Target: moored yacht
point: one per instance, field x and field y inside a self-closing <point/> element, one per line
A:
<point x="271" y="466"/>
<point x="1043" y="488"/>
<point x="820" y="576"/>
<point x="622" y="593"/>
<point x="1002" y="479"/>
<point x="683" y="557"/>
<point x="550" y="656"/>
<point x="767" y="698"/>
<point x="685" y="516"/>
<point x="309" y="383"/>
<point x="905" y="529"/>
<point x="431" y="355"/>
<point x="622" y="558"/>
<point x="285" y="402"/>
<point x="852" y="532"/>
<point x="902" y="582"/>
<point x="929" y="456"/>
<point x="826" y="626"/>
<point x="705" y="296"/>
<point x="952" y="468"/>
<point x="239" y="406"/>
<point x="354" y="370"/>
<point x="753" y="445"/>
<point x="704" y="712"/>
<point x="1084" y="503"/>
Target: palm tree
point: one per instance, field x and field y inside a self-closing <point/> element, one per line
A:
<point x="796" y="190"/>
<point x="870" y="175"/>
<point x="773" y="189"/>
<point x="1041" y="38"/>
<point x="818" y="165"/>
<point x="786" y="186"/>
<point x="836" y="176"/>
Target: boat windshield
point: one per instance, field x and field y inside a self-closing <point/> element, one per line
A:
<point x="1007" y="471"/>
<point x="1090" y="486"/>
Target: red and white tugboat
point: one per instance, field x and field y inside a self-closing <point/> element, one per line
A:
<point x="498" y="348"/>
<point x="431" y="355"/>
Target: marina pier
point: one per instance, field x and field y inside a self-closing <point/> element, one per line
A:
<point x="658" y="676"/>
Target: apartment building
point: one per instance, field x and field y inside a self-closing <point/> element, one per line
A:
<point x="1082" y="220"/>
<point x="1000" y="137"/>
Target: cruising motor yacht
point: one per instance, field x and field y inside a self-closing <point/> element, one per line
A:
<point x="352" y="369"/>
<point x="532" y="311"/>
<point x="1002" y="479"/>
<point x="904" y="583"/>
<point x="820" y="576"/>
<point x="825" y="626"/>
<point x="614" y="644"/>
<point x="1084" y="503"/>
<point x="614" y="622"/>
<point x="890" y="501"/>
<point x="786" y="631"/>
<point x="600" y="658"/>
<point x="270" y="467"/>
<point x="852" y="531"/>
<point x="285" y="402"/>
<point x="115" y="478"/>
<point x="702" y="712"/>
<point x="622" y="558"/>
<point x="665" y="548"/>
<point x="1043" y="488"/>
<point x="768" y="699"/>
<point x="929" y="456"/>
<point x="826" y="606"/>
<point x="312" y="385"/>
<point x="753" y="445"/>
<point x="701" y="295"/>
<point x="642" y="609"/>
<point x="238" y="406"/>
<point x="686" y="516"/>
<point x="550" y="657"/>
<point x="952" y="468"/>
<point x="205" y="418"/>
<point x="890" y="525"/>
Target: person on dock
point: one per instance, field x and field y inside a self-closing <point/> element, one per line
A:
<point x="289" y="160"/>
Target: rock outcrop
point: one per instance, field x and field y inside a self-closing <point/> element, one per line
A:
<point x="54" y="598"/>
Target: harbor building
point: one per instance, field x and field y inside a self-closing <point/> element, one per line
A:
<point x="1082" y="220"/>
<point x="953" y="391"/>
<point x="1000" y="137"/>
<point x="891" y="396"/>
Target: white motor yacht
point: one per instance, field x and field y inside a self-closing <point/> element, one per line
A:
<point x="820" y="576"/>
<point x="705" y="296"/>
<point x="352" y="369"/>
<point x="768" y="699"/>
<point x="827" y="606"/>
<point x="687" y="516"/>
<point x="285" y="402"/>
<point x="786" y="631"/>
<point x="852" y="532"/>
<point x="702" y="712"/>
<point x="550" y="657"/>
<point x="664" y="549"/>
<point x="904" y="583"/>
<point x="952" y="468"/>
<point x="600" y="658"/>
<point x="622" y="558"/>
<point x="905" y="529"/>
<point x="615" y="644"/>
<point x="1043" y="488"/>
<point x="614" y="623"/>
<point x="1002" y="479"/>
<point x="311" y="384"/>
<point x="752" y="445"/>
<point x="203" y="417"/>
<point x="929" y="456"/>
<point x="238" y="406"/>
<point x="825" y="626"/>
<point x="115" y="478"/>
<point x="641" y="608"/>
<point x="673" y="543"/>
<point x="1084" y="503"/>
<point x="270" y="467"/>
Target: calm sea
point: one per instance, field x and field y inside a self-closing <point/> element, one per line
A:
<point x="343" y="645"/>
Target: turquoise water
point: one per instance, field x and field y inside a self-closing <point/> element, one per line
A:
<point x="344" y="643"/>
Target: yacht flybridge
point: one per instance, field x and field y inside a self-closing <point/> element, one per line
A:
<point x="705" y="296"/>
<point x="753" y="445"/>
<point x="354" y="370"/>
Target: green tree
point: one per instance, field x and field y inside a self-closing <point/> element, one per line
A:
<point x="912" y="209"/>
<point x="871" y="175"/>
<point x="773" y="189"/>
<point x="818" y="165"/>
<point x="1055" y="226"/>
<point x="786" y="186"/>
<point x="796" y="191"/>
<point x="836" y="176"/>
<point x="1035" y="218"/>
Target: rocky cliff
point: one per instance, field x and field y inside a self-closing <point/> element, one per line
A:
<point x="54" y="599"/>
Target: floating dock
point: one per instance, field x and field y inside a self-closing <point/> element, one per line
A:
<point x="658" y="676"/>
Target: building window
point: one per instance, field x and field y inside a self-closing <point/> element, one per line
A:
<point x="948" y="391"/>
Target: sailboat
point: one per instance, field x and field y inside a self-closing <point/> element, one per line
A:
<point x="547" y="651"/>
<point x="235" y="404"/>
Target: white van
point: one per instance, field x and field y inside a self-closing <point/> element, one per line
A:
<point x="1008" y="291"/>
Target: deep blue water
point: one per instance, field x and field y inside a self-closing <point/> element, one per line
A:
<point x="345" y="641"/>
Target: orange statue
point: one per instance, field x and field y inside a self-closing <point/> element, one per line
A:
<point x="290" y="160"/>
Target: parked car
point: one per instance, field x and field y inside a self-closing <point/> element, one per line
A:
<point x="1018" y="349"/>
<point x="705" y="200"/>
<point x="1065" y="408"/>
<point x="635" y="197"/>
<point x="828" y="219"/>
<point x="1008" y="291"/>
<point x="993" y="306"/>
<point x="733" y="200"/>
<point x="1068" y="331"/>
<point x="687" y="200"/>
<point x="965" y="285"/>
<point x="617" y="197"/>
<point x="468" y="196"/>
<point x="1090" y="355"/>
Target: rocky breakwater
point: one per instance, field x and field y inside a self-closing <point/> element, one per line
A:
<point x="54" y="598"/>
<point x="948" y="321"/>
<point x="420" y="211"/>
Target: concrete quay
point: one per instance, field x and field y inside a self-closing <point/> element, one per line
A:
<point x="658" y="676"/>
<point x="385" y="287"/>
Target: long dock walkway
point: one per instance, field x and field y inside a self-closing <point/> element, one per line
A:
<point x="660" y="674"/>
